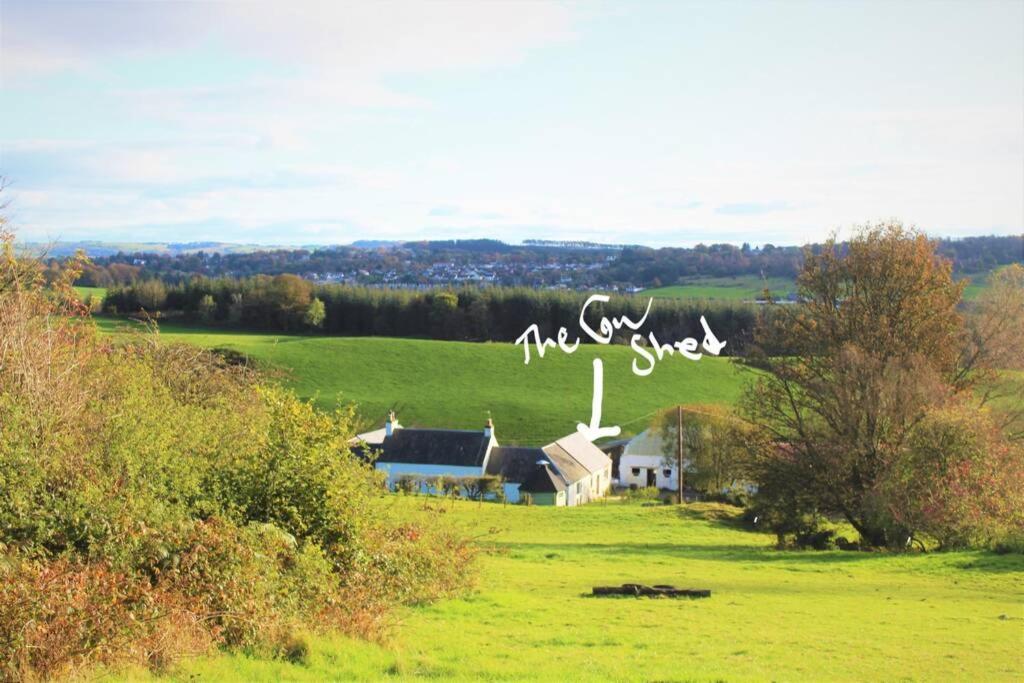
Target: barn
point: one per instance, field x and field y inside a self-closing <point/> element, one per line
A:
<point x="644" y="464"/>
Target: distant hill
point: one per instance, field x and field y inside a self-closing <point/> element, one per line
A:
<point x="377" y="244"/>
<point x="96" y="248"/>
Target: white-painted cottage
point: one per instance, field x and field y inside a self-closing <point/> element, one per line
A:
<point x="569" y="471"/>
<point x="643" y="463"/>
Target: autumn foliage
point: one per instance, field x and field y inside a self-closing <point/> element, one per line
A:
<point x="892" y="406"/>
<point x="157" y="501"/>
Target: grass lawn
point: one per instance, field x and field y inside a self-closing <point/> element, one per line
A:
<point x="454" y="384"/>
<point x="772" y="615"/>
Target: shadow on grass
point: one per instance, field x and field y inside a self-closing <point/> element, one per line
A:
<point x="966" y="561"/>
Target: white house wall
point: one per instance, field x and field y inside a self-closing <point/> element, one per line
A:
<point x="644" y="463"/>
<point x="591" y="487"/>
<point x="395" y="470"/>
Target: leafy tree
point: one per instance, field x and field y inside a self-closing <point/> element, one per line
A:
<point x="315" y="314"/>
<point x="874" y="344"/>
<point x="478" y="488"/>
<point x="714" y="445"/>
<point x="150" y="295"/>
<point x="207" y="308"/>
<point x="994" y="344"/>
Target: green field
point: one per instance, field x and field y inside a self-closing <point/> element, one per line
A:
<point x="94" y="292"/>
<point x="773" y="615"/>
<point x="978" y="284"/>
<point x="750" y="287"/>
<point x="454" y="384"/>
<point x="742" y="288"/>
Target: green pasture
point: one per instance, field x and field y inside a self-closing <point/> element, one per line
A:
<point x="455" y="384"/>
<point x="773" y="615"/>
<point x="740" y="288"/>
<point x="751" y="287"/>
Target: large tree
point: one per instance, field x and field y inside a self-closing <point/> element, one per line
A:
<point x="876" y="341"/>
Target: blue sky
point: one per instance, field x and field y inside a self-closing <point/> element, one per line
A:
<point x="661" y="123"/>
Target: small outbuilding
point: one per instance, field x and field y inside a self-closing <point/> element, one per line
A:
<point x="644" y="463"/>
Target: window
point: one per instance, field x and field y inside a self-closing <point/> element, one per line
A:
<point x="636" y="471"/>
<point x="667" y="473"/>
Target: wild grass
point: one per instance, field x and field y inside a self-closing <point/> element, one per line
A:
<point x="773" y="615"/>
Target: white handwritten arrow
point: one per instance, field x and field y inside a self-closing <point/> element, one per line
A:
<point x="594" y="430"/>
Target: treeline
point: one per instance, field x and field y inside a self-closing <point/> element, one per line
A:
<point x="655" y="267"/>
<point x="288" y="303"/>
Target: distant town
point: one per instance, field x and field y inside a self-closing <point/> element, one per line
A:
<point x="483" y="262"/>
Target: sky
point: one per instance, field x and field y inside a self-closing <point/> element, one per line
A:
<point x="661" y="123"/>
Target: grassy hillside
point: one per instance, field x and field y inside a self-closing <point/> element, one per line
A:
<point x="454" y="384"/>
<point x="772" y="615"/>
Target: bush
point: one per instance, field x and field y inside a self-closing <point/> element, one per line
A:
<point x="56" y="615"/>
<point x="159" y="500"/>
<point x="649" y="493"/>
<point x="818" y="539"/>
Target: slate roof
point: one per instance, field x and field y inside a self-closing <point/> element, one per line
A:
<point x="452" y="447"/>
<point x="542" y="480"/>
<point x="514" y="463"/>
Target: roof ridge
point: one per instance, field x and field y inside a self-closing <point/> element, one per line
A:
<point x="443" y="429"/>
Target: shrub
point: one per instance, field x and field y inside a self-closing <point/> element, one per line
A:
<point x="958" y="481"/>
<point x="409" y="483"/>
<point x="56" y="615"/>
<point x="158" y="500"/>
<point x="648" y="493"/>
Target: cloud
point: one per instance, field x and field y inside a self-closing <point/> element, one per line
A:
<point x="752" y="208"/>
<point x="336" y="38"/>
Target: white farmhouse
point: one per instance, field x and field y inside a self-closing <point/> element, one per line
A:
<point x="569" y="471"/>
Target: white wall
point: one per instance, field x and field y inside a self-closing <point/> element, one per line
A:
<point x="644" y="463"/>
<point x="591" y="487"/>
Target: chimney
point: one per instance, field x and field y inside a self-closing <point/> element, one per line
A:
<point x="489" y="428"/>
<point x="389" y="426"/>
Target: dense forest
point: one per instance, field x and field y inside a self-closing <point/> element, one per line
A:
<point x="290" y="303"/>
<point x="491" y="262"/>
